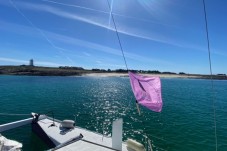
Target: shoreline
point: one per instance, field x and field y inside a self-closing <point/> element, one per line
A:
<point x="51" y="71"/>
<point x="114" y="74"/>
<point x="144" y="74"/>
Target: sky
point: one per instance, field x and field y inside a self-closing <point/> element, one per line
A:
<point x="164" y="35"/>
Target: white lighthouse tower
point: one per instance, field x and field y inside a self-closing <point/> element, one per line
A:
<point x="31" y="62"/>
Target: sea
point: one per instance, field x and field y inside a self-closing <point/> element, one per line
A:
<point x="191" y="110"/>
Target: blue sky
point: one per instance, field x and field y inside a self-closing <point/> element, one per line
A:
<point x="159" y="35"/>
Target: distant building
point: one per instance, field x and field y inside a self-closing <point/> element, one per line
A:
<point x="31" y="62"/>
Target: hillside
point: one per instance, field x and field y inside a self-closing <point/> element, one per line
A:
<point x="41" y="71"/>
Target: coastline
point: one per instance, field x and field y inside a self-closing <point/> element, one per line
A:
<point x="145" y="74"/>
<point x="54" y="71"/>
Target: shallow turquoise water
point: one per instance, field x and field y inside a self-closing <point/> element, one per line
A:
<point x="186" y="122"/>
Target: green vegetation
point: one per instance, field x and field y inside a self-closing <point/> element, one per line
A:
<point x="41" y="71"/>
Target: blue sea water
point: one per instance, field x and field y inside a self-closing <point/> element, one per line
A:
<point x="186" y="122"/>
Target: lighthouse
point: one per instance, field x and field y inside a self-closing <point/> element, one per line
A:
<point x="31" y="62"/>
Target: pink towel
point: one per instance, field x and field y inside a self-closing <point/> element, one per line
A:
<point x="147" y="91"/>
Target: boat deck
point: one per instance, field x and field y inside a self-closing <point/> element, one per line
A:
<point x="84" y="146"/>
<point x="90" y="141"/>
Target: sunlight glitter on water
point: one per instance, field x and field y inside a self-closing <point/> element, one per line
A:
<point x="186" y="121"/>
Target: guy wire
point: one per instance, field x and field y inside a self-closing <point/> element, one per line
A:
<point x="211" y="75"/>
<point x="118" y="37"/>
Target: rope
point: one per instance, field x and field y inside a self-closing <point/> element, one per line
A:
<point x="211" y="74"/>
<point x="9" y="114"/>
<point x="122" y="50"/>
<point x="118" y="37"/>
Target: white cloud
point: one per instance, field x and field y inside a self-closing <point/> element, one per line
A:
<point x="77" y="42"/>
<point x="102" y="48"/>
<point x="73" y="5"/>
<point x="96" y="20"/>
<point x="99" y="62"/>
<point x="14" y="60"/>
<point x="102" y="22"/>
<point x="87" y="54"/>
<point x="117" y="66"/>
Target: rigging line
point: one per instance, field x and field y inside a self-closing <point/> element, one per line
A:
<point x="118" y="37"/>
<point x="120" y="45"/>
<point x="211" y="74"/>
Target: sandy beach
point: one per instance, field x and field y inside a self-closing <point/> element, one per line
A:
<point x="125" y="75"/>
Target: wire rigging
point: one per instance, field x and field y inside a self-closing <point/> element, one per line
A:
<point x="118" y="37"/>
<point x="149" y="144"/>
<point x="211" y="74"/>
